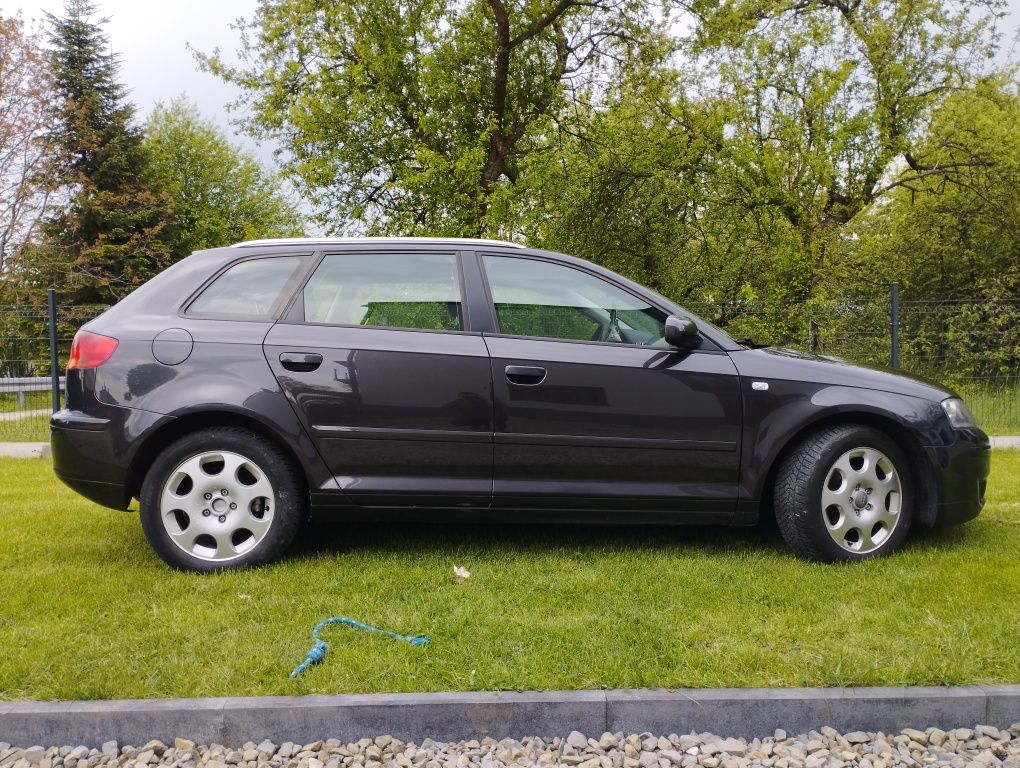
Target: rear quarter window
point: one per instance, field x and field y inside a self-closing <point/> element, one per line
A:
<point x="252" y="289"/>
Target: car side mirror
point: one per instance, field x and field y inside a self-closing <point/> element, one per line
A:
<point x="681" y="332"/>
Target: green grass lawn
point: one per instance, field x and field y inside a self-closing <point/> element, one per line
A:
<point x="31" y="429"/>
<point x="997" y="411"/>
<point x="33" y="400"/>
<point x="87" y="611"/>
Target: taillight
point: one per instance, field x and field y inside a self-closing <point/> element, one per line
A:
<point x="90" y="350"/>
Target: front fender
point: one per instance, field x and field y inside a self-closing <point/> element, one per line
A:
<point x="775" y="417"/>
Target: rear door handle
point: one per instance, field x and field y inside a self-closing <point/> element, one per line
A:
<point x="525" y="375"/>
<point x="302" y="362"/>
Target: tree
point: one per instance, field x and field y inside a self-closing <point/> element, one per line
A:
<point x="734" y="180"/>
<point x="220" y="193"/>
<point x="832" y="100"/>
<point x="25" y="81"/>
<point x="421" y="115"/>
<point x="114" y="232"/>
<point x="956" y="244"/>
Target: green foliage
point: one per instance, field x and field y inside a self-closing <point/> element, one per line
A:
<point x="430" y="315"/>
<point x="420" y="116"/>
<point x="545" y="320"/>
<point x="955" y="241"/>
<point x="25" y="82"/>
<point x="731" y="183"/>
<point x="113" y="234"/>
<point x="220" y="193"/>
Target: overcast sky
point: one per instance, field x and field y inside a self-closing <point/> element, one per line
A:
<point x="152" y="41"/>
<point x="156" y="65"/>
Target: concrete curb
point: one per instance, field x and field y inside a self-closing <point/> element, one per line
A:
<point x="743" y="712"/>
<point x="25" y="450"/>
<point x="1006" y="442"/>
<point x="42" y="450"/>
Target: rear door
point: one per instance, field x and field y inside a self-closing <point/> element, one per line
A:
<point x="593" y="409"/>
<point x="396" y="393"/>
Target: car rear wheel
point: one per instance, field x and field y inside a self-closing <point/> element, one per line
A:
<point x="844" y="493"/>
<point x="221" y="498"/>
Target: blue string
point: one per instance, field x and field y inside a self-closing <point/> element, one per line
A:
<point x="318" y="651"/>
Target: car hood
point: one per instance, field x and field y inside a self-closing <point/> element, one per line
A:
<point x="794" y="365"/>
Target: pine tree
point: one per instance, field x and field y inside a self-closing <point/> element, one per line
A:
<point x="114" y="232"/>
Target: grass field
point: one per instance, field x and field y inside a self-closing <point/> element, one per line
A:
<point x="33" y="400"/>
<point x="997" y="411"/>
<point x="87" y="611"/>
<point x="35" y="428"/>
<point x="31" y="429"/>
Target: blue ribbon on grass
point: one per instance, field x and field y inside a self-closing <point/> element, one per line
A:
<point x="318" y="651"/>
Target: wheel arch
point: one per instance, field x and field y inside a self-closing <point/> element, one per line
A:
<point x="193" y="421"/>
<point x="920" y="469"/>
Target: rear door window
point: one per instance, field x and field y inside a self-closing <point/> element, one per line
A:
<point x="389" y="290"/>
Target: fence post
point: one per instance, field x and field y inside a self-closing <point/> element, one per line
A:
<point x="894" y="352"/>
<point x="51" y="305"/>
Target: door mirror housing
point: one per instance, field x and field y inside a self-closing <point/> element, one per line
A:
<point x="681" y="332"/>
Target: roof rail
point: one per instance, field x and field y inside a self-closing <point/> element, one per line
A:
<point x="466" y="241"/>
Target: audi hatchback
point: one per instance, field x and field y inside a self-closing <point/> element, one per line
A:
<point x="247" y="387"/>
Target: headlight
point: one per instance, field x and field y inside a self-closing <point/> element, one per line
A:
<point x="959" y="415"/>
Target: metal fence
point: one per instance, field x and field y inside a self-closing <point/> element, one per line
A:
<point x="972" y="346"/>
<point x="29" y="345"/>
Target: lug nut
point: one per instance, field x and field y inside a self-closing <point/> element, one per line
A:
<point x="208" y="496"/>
<point x="224" y="492"/>
<point x="206" y="513"/>
<point x="868" y="506"/>
<point x="233" y="505"/>
<point x="223" y="518"/>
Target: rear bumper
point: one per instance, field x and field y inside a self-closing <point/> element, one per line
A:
<point x="961" y="474"/>
<point x="91" y="454"/>
<point x="115" y="496"/>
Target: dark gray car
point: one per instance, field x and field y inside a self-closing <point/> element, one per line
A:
<point x="247" y="386"/>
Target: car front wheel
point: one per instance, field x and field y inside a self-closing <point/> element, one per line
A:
<point x="844" y="493"/>
<point x="221" y="498"/>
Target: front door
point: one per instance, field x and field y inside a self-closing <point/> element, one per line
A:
<point x="594" y="410"/>
<point x="395" y="394"/>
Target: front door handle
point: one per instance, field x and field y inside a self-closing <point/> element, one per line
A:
<point x="525" y="375"/>
<point x="301" y="362"/>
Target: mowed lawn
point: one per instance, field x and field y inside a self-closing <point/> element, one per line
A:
<point x="87" y="611"/>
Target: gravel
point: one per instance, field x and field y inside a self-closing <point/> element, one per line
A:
<point x="983" y="746"/>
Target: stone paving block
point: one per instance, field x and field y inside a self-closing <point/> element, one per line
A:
<point x="414" y="717"/>
<point x="280" y="718"/>
<point x="1003" y="705"/>
<point x="455" y="716"/>
<point x="745" y="712"/>
<point x="31" y="722"/>
<point x="136" y="722"/>
<point x="892" y="709"/>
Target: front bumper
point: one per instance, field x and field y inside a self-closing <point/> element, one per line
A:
<point x="961" y="476"/>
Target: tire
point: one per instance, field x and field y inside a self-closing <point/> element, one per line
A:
<point x="221" y="498"/>
<point x="844" y="493"/>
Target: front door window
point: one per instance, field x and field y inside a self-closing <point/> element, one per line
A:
<point x="545" y="300"/>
